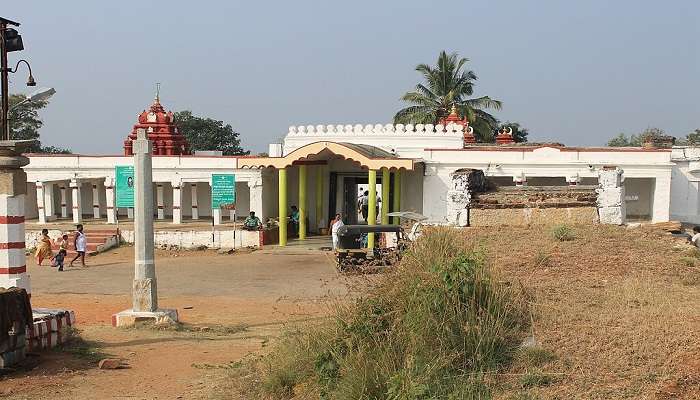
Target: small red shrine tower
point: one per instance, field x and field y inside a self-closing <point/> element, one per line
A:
<point x="161" y="130"/>
<point x="454" y="118"/>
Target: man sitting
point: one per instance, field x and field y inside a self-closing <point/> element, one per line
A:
<point x="252" y="223"/>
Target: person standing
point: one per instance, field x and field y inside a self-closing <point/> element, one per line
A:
<point x="364" y="204"/>
<point x="80" y="242"/>
<point x="337" y="223"/>
<point x="294" y="219"/>
<point x="43" y="248"/>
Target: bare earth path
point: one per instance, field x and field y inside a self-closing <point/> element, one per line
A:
<point x="234" y="303"/>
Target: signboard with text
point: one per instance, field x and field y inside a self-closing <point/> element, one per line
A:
<point x="223" y="191"/>
<point x="124" y="186"/>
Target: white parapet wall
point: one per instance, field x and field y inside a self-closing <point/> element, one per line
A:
<point x="192" y="239"/>
<point x="406" y="141"/>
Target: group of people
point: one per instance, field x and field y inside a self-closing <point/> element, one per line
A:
<point x="363" y="205"/>
<point x="44" y="251"/>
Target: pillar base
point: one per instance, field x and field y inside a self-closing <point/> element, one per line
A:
<point x="129" y="318"/>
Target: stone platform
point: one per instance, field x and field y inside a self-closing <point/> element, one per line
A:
<point x="129" y="318"/>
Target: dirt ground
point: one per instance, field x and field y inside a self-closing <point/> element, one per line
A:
<point x="617" y="308"/>
<point x="232" y="306"/>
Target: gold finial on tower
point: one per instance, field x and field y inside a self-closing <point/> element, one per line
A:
<point x="453" y="111"/>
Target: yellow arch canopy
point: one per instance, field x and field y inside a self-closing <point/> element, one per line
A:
<point x="367" y="156"/>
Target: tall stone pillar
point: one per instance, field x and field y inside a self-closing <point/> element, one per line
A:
<point x="611" y="196"/>
<point x="144" y="290"/>
<point x="95" y="202"/>
<point x="41" y="202"/>
<point x="177" y="202"/>
<point x="161" y="202"/>
<point x="109" y="197"/>
<point x="465" y="183"/>
<point x="77" y="204"/>
<point x="64" y="202"/>
<point x="48" y="201"/>
<point x="195" y="207"/>
<point x="13" y="188"/>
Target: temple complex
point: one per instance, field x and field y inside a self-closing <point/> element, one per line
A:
<point x="419" y="168"/>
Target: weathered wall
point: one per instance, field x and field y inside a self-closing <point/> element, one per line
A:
<point x="533" y="216"/>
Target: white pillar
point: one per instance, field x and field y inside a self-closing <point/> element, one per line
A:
<point x="661" y="211"/>
<point x="232" y="215"/>
<point x="41" y="202"/>
<point x="48" y="201"/>
<point x="130" y="213"/>
<point x="255" y="190"/>
<point x="77" y="205"/>
<point x="216" y="214"/>
<point x="177" y="202"/>
<point x="159" y="200"/>
<point x="95" y="202"/>
<point x="195" y="207"/>
<point x="109" y="195"/>
<point x="64" y="202"/>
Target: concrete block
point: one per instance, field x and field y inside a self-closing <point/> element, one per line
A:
<point x="610" y="197"/>
<point x="611" y="215"/>
<point x="610" y="178"/>
<point x="128" y="318"/>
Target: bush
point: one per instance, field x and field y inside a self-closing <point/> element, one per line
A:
<point x="563" y="233"/>
<point x="535" y="378"/>
<point x="535" y="356"/>
<point x="428" y="330"/>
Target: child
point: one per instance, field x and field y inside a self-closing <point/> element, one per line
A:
<point x="63" y="242"/>
<point x="80" y="243"/>
<point x="696" y="236"/>
<point x="59" y="258"/>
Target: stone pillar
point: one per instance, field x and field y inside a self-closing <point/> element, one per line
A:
<point x="465" y="182"/>
<point x="255" y="190"/>
<point x="302" y="202"/>
<point x="95" y="202"/>
<point x="77" y="205"/>
<point x="216" y="215"/>
<point x="109" y="194"/>
<point x="385" y="195"/>
<point x="396" y="206"/>
<point x="372" y="211"/>
<point x="64" y="202"/>
<point x="232" y="215"/>
<point x="145" y="288"/>
<point x="611" y="196"/>
<point x="282" y="206"/>
<point x="661" y="207"/>
<point x="195" y="209"/>
<point x="161" y="203"/>
<point x="130" y="213"/>
<point x="41" y="202"/>
<point x="48" y="201"/>
<point x="13" y="187"/>
<point x="177" y="202"/>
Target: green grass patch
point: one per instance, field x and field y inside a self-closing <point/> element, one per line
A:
<point x="563" y="233"/>
<point x="535" y="379"/>
<point x="429" y="330"/>
<point x="75" y="345"/>
<point x="535" y="356"/>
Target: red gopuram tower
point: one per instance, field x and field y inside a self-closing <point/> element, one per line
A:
<point x="161" y="130"/>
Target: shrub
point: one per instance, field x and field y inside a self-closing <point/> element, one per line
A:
<point x="535" y="356"/>
<point x="563" y="233"/>
<point x="688" y="261"/>
<point x="542" y="259"/>
<point x="428" y="330"/>
<point x="535" y="378"/>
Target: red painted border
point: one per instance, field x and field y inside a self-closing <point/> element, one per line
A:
<point x="12" y="245"/>
<point x="13" y="270"/>
<point x="11" y="220"/>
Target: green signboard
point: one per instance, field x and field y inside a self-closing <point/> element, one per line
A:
<point x="124" y="185"/>
<point x="223" y="191"/>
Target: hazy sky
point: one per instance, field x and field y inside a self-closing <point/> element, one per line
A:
<point x="575" y="72"/>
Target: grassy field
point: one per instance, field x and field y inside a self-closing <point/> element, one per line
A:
<point x="607" y="312"/>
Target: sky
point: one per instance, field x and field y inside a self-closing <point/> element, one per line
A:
<point x="573" y="72"/>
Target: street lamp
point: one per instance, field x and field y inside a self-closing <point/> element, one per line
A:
<point x="40" y="94"/>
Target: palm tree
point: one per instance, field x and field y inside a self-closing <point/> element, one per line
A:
<point x="447" y="85"/>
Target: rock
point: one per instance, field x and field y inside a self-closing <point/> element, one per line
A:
<point x="110" y="363"/>
<point x="225" y="251"/>
<point x="529" y="342"/>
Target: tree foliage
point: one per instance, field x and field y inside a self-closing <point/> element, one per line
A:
<point x="622" y="140"/>
<point x="25" y="123"/>
<point x="445" y="85"/>
<point x="208" y="134"/>
<point x="691" y="139"/>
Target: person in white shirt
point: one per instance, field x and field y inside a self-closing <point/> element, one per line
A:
<point x="695" y="240"/>
<point x="336" y="224"/>
<point x="80" y="243"/>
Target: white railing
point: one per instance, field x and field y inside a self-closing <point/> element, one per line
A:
<point x="377" y="129"/>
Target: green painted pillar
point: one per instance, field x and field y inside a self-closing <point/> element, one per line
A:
<point x="396" y="206"/>
<point x="385" y="195"/>
<point x="319" y="198"/>
<point x="282" y="183"/>
<point x="302" y="202"/>
<point x="372" y="212"/>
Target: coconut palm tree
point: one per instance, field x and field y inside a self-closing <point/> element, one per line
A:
<point x="447" y="85"/>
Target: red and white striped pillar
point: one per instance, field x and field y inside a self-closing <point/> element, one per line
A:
<point x="77" y="204"/>
<point x="195" y="207"/>
<point x="109" y="194"/>
<point x="13" y="188"/>
<point x="40" y="202"/>
<point x="64" y="204"/>
<point x="160" y="201"/>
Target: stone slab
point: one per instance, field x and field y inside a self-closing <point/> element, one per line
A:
<point x="129" y="318"/>
<point x="612" y="215"/>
